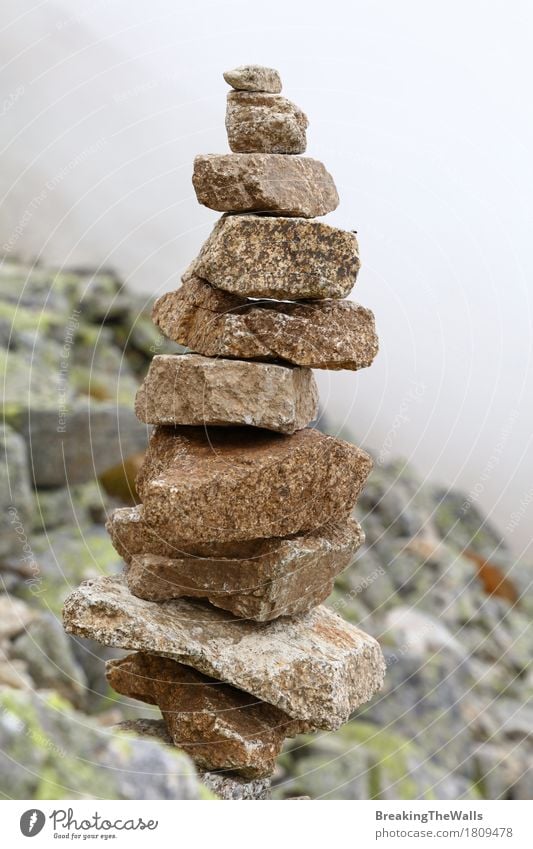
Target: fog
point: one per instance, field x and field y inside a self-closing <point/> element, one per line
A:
<point x="422" y="113"/>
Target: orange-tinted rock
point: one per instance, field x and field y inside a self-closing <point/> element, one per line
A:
<point x="218" y="726"/>
<point x="330" y="334"/>
<point x="242" y="483"/>
<point x="264" y="182"/>
<point x="283" y="577"/>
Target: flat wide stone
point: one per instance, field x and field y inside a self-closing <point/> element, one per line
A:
<point x="257" y="122"/>
<point x="242" y="483"/>
<point x="319" y="334"/>
<point x="316" y="667"/>
<point x="284" y="258"/>
<point x="188" y="389"/>
<point x="218" y="726"/>
<point x="264" y="182"/>
<point x="283" y="577"/>
<point x="254" y="78"/>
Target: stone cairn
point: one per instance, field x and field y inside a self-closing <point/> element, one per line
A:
<point x="245" y="516"/>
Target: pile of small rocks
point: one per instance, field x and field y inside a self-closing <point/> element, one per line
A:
<point x="245" y="515"/>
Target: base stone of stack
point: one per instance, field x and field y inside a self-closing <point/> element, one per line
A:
<point x="241" y="483"/>
<point x="260" y="122"/>
<point x="330" y="334"/>
<point x="189" y="389"/>
<point x="316" y="667"/>
<point x="288" y="577"/>
<point x="264" y="182"/>
<point x="218" y="726"/>
<point x="283" y="258"/>
<point x="254" y="78"/>
<point x="231" y="788"/>
<point x="225" y="786"/>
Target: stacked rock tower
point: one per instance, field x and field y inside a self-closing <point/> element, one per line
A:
<point x="245" y="517"/>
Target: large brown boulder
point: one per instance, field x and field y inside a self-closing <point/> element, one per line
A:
<point x="282" y="577"/>
<point x="241" y="483"/>
<point x="218" y="726"/>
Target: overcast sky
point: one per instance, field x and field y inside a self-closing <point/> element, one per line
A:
<point x="422" y="113"/>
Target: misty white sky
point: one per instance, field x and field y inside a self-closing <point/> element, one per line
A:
<point x="422" y="113"/>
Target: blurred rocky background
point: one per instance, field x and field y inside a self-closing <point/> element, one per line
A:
<point x="435" y="583"/>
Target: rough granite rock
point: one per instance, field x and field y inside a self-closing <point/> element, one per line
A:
<point x="132" y="535"/>
<point x="285" y="258"/>
<point x="228" y="787"/>
<point x="241" y="483"/>
<point x="319" y="334"/>
<point x="254" y="78"/>
<point x="231" y="788"/>
<point x="283" y="577"/>
<point x="218" y="726"/>
<point x="314" y="667"/>
<point x="264" y="182"/>
<point x="257" y="122"/>
<point x="188" y="389"/>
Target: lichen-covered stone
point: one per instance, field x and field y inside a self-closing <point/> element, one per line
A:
<point x="218" y="726"/>
<point x="80" y="444"/>
<point x="242" y="483"/>
<point x="47" y="653"/>
<point x="49" y="751"/>
<point x="331" y="334"/>
<point x="285" y="258"/>
<point x="15" y="617"/>
<point x="232" y="788"/>
<point x="257" y="122"/>
<point x="229" y="787"/>
<point x="283" y="577"/>
<point x="254" y="78"/>
<point x="188" y="389"/>
<point x="264" y="182"/>
<point x="316" y="667"/>
<point x="16" y="503"/>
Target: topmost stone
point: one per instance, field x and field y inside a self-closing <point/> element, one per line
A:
<point x="254" y="78"/>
